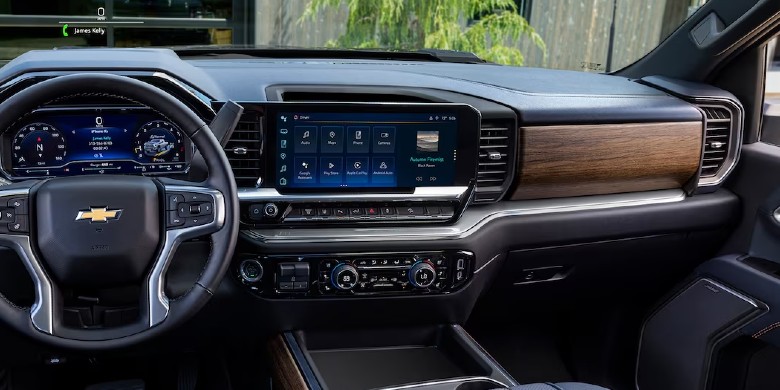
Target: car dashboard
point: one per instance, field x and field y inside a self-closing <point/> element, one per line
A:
<point x="412" y="183"/>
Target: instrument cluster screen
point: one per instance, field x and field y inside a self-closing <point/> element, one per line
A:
<point x="62" y="142"/>
<point x="365" y="149"/>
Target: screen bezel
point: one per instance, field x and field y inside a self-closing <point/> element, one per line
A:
<point x="468" y="125"/>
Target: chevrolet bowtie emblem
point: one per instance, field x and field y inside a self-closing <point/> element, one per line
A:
<point x="98" y="214"/>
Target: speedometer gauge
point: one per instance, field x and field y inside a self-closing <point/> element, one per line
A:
<point x="38" y="145"/>
<point x="159" y="142"/>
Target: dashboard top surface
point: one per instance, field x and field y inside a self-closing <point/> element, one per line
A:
<point x="539" y="95"/>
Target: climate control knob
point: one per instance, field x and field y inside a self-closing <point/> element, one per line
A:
<point x="344" y="277"/>
<point x="422" y="274"/>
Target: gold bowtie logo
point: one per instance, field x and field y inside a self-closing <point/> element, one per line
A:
<point x="98" y="214"/>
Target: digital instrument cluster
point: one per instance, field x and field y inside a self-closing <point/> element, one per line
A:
<point x="62" y="142"/>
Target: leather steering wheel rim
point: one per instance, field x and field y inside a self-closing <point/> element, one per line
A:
<point x="220" y="179"/>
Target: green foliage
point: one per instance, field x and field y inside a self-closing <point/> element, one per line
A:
<point x="488" y="28"/>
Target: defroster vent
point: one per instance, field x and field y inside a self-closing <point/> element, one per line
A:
<point x="496" y="153"/>
<point x="245" y="148"/>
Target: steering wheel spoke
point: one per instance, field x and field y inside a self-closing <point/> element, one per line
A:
<point x="15" y="224"/>
<point x="191" y="210"/>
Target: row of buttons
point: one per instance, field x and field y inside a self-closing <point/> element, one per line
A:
<point x="186" y="209"/>
<point x="292" y="276"/>
<point x="14" y="218"/>
<point x="302" y="213"/>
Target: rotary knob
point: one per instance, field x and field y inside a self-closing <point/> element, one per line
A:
<point x="344" y="277"/>
<point x="251" y="271"/>
<point x="422" y="274"/>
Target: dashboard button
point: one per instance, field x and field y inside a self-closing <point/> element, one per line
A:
<point x="19" y="224"/>
<point x="340" y="212"/>
<point x="433" y="210"/>
<point x="447" y="211"/>
<point x="174" y="200"/>
<point x="271" y="210"/>
<point x="385" y="210"/>
<point x="174" y="219"/>
<point x="372" y="211"/>
<point x="411" y="211"/>
<point x="308" y="211"/>
<point x="255" y="212"/>
<point x="324" y="212"/>
<point x="19" y="205"/>
<point x="355" y="211"/>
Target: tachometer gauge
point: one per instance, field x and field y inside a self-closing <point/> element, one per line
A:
<point x="38" y="145"/>
<point x="159" y="142"/>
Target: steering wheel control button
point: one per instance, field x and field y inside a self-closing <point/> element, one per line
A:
<point x="19" y="225"/>
<point x="19" y="205"/>
<point x="174" y="220"/>
<point x="174" y="200"/>
<point x="7" y="215"/>
<point x="187" y="209"/>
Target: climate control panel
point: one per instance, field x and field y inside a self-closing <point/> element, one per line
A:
<point x="344" y="275"/>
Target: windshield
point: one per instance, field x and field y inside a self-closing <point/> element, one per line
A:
<point x="586" y="35"/>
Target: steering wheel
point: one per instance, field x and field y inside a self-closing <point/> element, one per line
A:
<point x="112" y="230"/>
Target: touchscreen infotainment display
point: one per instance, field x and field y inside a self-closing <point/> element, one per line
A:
<point x="359" y="148"/>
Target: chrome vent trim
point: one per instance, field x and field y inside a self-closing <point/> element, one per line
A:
<point x="245" y="148"/>
<point x="717" y="135"/>
<point x="496" y="155"/>
<point x="722" y="139"/>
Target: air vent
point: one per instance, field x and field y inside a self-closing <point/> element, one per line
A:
<point x="717" y="138"/>
<point x="244" y="150"/>
<point x="495" y="154"/>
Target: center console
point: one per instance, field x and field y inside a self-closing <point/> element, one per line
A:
<point x="425" y="358"/>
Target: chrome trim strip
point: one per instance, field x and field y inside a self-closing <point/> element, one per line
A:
<point x="462" y="380"/>
<point x="158" y="301"/>
<point x="731" y="291"/>
<point x="472" y="220"/>
<point x="42" y="310"/>
<point x="420" y="193"/>
<point x="487" y="264"/>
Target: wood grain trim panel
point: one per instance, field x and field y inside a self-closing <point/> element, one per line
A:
<point x="286" y="374"/>
<point x="562" y="161"/>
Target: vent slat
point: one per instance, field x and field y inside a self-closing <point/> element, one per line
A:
<point x="494" y="144"/>
<point x="717" y="135"/>
<point x="244" y="149"/>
